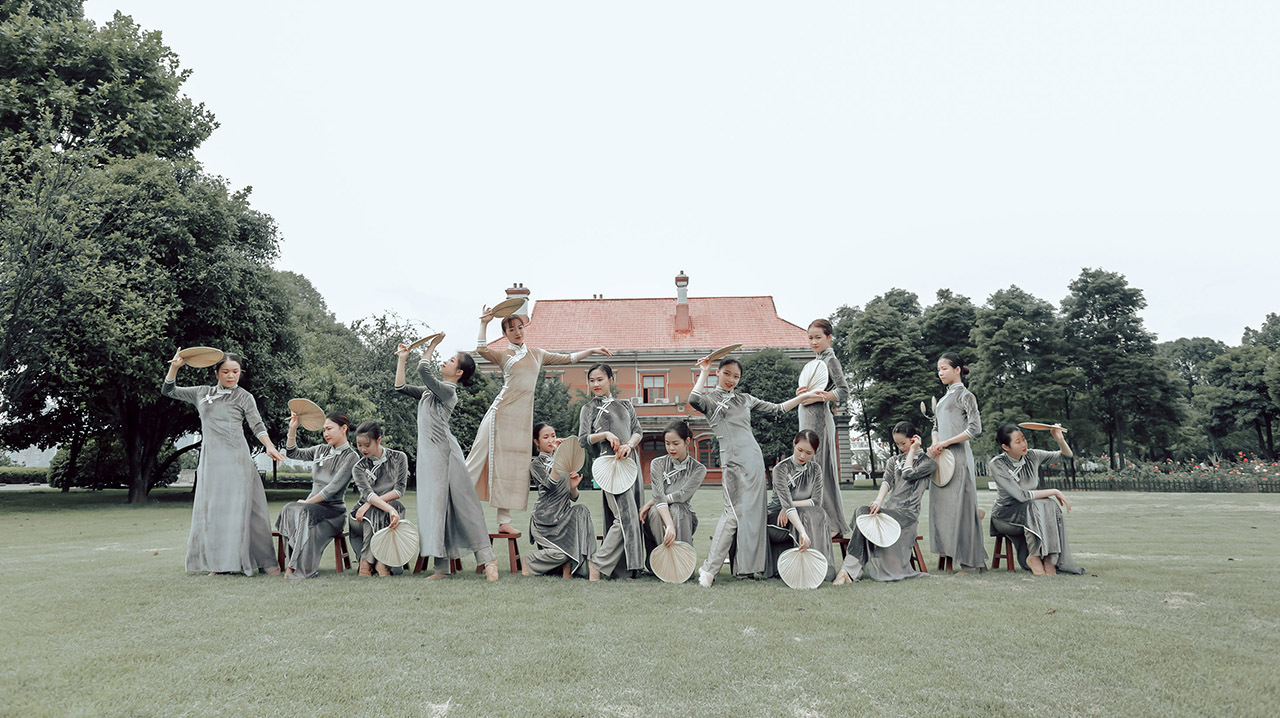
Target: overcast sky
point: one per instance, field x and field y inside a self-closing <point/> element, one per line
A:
<point x="421" y="157"/>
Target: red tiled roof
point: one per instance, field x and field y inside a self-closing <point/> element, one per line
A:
<point x="650" y="324"/>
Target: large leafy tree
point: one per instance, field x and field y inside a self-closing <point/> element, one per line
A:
<point x="1267" y="335"/>
<point x="1237" y="394"/>
<point x="892" y="374"/>
<point x="945" y="326"/>
<point x="771" y="375"/>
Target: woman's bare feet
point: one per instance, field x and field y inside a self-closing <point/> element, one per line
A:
<point x="491" y="571"/>
<point x="365" y="569"/>
<point x="287" y="574"/>
<point x="593" y="573"/>
<point x="507" y="529"/>
<point x="1036" y="565"/>
<point x="437" y="575"/>
<point x="524" y="570"/>
<point x="273" y="571"/>
<point x="382" y="569"/>
<point x="841" y="578"/>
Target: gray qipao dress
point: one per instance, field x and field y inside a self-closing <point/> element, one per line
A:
<point x="1035" y="525"/>
<point x="621" y="511"/>
<point x="818" y="418"/>
<point x="793" y="481"/>
<point x="378" y="476"/>
<point x="907" y="485"/>
<point x="230" y="524"/>
<point x="562" y="531"/>
<point x="673" y="484"/>
<point x="955" y="529"/>
<point x="309" y="527"/>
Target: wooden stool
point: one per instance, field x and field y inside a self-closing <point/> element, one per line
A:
<point x="513" y="550"/>
<point x="455" y="565"/>
<point x="917" y="558"/>
<point x="1008" y="554"/>
<point x="341" y="556"/>
<point x="944" y="563"/>
<point x="843" y="542"/>
<point x="279" y="548"/>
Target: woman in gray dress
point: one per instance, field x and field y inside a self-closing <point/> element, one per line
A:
<point x="673" y="479"/>
<point x="562" y="531"/>
<point x="450" y="520"/>
<point x="955" y="523"/>
<point x="1028" y="514"/>
<point x="230" y="525"/>
<point x="905" y="478"/>
<point x="381" y="477"/>
<point x="743" y="477"/>
<point x="309" y="524"/>
<point x="612" y="426"/>
<point x="797" y="487"/>
<point x="818" y="418"/>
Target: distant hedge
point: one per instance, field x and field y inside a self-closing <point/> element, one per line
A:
<point x="24" y="474"/>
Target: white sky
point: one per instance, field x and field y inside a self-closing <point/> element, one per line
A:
<point x="421" y="157"/>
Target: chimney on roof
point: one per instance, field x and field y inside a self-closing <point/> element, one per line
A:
<point x="518" y="291"/>
<point x="683" y="322"/>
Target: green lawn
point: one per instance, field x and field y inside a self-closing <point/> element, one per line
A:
<point x="1177" y="616"/>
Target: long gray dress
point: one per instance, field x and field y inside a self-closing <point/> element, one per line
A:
<point x="955" y="529"/>
<point x="623" y="539"/>
<point x="230" y="524"/>
<point x="450" y="520"/>
<point x="819" y="419"/>
<point x="380" y="476"/>
<point x="792" y="482"/>
<point x="308" y="528"/>
<point x="673" y="484"/>
<point x="561" y="530"/>
<point x="906" y="489"/>
<point x="742" y="478"/>
<point x="1036" y="525"/>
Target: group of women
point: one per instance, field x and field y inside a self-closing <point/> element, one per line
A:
<point x="230" y="531"/>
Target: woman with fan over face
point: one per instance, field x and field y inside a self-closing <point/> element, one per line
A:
<point x="743" y="479"/>
<point x="954" y="519"/>
<point x="611" y="425"/>
<point x="673" y="478"/>
<point x="230" y="524"/>
<point x="797" y="489"/>
<point x="309" y="524"/>
<point x="817" y="417"/>
<point x="381" y="477"/>
<point x="499" y="458"/>
<point x="450" y="520"/>
<point x="562" y="531"/>
<point x="905" y="478"/>
<point x="1026" y="513"/>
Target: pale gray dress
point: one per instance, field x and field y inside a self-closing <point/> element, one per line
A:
<point x="1035" y="525"/>
<point x="381" y="476"/>
<point x="561" y="530"/>
<point x="308" y="528"/>
<point x="230" y="524"/>
<point x="450" y="520"/>
<point x="819" y="419"/>
<point x="622" y="549"/>
<point x="907" y="485"/>
<point x="742" y="522"/>
<point x="792" y="482"/>
<point x="673" y="485"/>
<point x="955" y="529"/>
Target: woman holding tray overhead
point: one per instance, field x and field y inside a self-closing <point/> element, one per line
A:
<point x="955" y="524"/>
<point x="562" y="531"/>
<point x="230" y="524"/>
<point x="905" y="478"/>
<point x="450" y="520"/>
<point x="499" y="458"/>
<point x="1027" y="513"/>
<point x="818" y="418"/>
<point x="309" y="524"/>
<point x="611" y="425"/>
<point x="743" y="478"/>
<point x="381" y="477"/>
<point x="673" y="478"/>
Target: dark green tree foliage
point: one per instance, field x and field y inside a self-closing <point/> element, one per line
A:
<point x="843" y="321"/>
<point x="473" y="402"/>
<point x="554" y="404"/>
<point x="945" y="326"/>
<point x="1190" y="359"/>
<point x="1237" y="395"/>
<point x="115" y="87"/>
<point x="886" y="362"/>
<point x="1268" y="335"/>
<point x="371" y="370"/>
<point x="771" y="375"/>
<point x="101" y="464"/>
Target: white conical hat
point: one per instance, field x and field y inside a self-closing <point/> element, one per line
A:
<point x="880" y="529"/>
<point x="802" y="569"/>
<point x="813" y="376"/>
<point x="946" y="468"/>
<point x="396" y="546"/>
<point x="569" y="457"/>
<point x="674" y="563"/>
<point x="613" y="474"/>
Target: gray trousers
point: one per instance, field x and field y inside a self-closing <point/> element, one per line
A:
<point x="722" y="538"/>
<point x="612" y="548"/>
<point x="547" y="560"/>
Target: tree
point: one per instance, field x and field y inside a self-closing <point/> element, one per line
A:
<point x="843" y="321"/>
<point x="886" y="364"/>
<point x="1190" y="359"/>
<point x="771" y="375"/>
<point x="1238" y="394"/>
<point x="945" y="326"/>
<point x="1267" y="335"/>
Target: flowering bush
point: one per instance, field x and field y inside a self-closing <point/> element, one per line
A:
<point x="1247" y="473"/>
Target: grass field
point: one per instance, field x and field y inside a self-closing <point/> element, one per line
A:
<point x="1177" y="616"/>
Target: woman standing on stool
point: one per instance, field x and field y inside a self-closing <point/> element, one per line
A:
<point x="604" y="421"/>
<point x="818" y="418"/>
<point x="905" y="479"/>
<point x="450" y="519"/>
<point x="230" y="525"/>
<point x="954" y="520"/>
<point x="308" y="524"/>
<point x="1026" y="513"/>
<point x="563" y="532"/>
<point x="381" y="477"/>
<point x="673" y="477"/>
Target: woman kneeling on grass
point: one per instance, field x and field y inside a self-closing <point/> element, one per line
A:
<point x="673" y="477"/>
<point x="1028" y="514"/>
<point x="797" y="493"/>
<point x="906" y="477"/>
<point x="311" y="523"/>
<point x="562" y="531"/>
<point x="381" y="478"/>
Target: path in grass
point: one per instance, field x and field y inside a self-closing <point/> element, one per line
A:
<point x="1177" y="616"/>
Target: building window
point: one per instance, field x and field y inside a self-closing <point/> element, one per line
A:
<point x="653" y="445"/>
<point x="654" y="388"/>
<point x="709" y="384"/>
<point x="707" y="451"/>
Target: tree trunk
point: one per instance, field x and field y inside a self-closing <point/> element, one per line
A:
<point x="1271" y="446"/>
<point x="1111" y="449"/>
<point x="1257" y="428"/>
